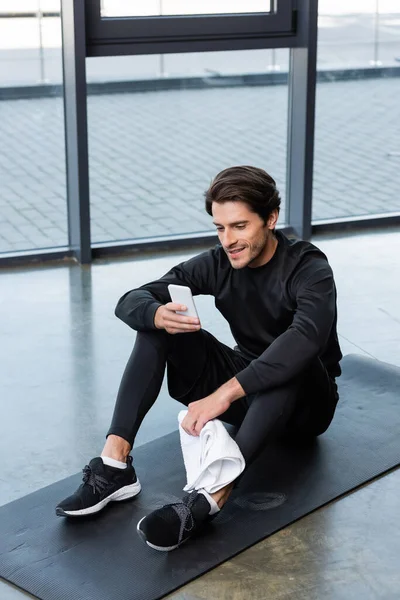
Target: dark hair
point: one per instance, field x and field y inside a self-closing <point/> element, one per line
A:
<point x="245" y="184"/>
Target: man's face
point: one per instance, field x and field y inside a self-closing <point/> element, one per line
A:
<point x="243" y="234"/>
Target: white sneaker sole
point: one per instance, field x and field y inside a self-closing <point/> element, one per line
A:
<point x="128" y="491"/>
<point x="159" y="548"/>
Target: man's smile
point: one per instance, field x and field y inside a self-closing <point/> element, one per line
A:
<point x="236" y="251"/>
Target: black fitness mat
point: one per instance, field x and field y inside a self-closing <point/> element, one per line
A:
<point x="104" y="559"/>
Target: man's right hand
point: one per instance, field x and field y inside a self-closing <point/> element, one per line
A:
<point x="167" y="318"/>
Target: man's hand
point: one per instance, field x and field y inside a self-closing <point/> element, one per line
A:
<point x="167" y="318"/>
<point x="202" y="411"/>
<point x="212" y="406"/>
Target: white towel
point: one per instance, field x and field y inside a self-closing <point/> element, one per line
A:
<point x="212" y="459"/>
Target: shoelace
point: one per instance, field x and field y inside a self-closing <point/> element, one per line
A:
<point x="183" y="510"/>
<point x="97" y="482"/>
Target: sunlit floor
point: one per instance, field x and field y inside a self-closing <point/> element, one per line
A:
<point x="62" y="356"/>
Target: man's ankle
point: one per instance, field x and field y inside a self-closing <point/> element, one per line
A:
<point x="116" y="448"/>
<point x="222" y="495"/>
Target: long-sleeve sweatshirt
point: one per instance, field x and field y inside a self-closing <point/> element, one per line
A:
<point x="282" y="314"/>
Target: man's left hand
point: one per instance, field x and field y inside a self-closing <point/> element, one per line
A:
<point x="202" y="411"/>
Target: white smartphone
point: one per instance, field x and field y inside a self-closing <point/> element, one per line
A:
<point x="181" y="294"/>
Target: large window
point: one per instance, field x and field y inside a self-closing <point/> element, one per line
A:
<point x="357" y="148"/>
<point x="33" y="211"/>
<point x="154" y="153"/>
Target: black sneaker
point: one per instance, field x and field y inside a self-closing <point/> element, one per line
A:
<point x="170" y="526"/>
<point x="101" y="484"/>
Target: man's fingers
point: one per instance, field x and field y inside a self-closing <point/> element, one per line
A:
<point x="198" y="427"/>
<point x="193" y="426"/>
<point x="193" y="430"/>
<point x="177" y="309"/>
<point x="174" y="330"/>
<point x="189" y="428"/>
<point x="174" y="317"/>
<point x="174" y="306"/>
<point x="180" y="328"/>
<point x="180" y="325"/>
<point x="166" y="318"/>
<point x="180" y="321"/>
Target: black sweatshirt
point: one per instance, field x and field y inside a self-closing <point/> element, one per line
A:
<point x="282" y="315"/>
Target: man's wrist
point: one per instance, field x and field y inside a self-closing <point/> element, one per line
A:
<point x="231" y="391"/>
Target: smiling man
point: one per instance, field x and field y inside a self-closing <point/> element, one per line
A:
<point x="279" y="299"/>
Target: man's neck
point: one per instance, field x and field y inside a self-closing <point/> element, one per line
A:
<point x="268" y="253"/>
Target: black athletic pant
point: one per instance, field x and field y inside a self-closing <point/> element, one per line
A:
<point x="197" y="364"/>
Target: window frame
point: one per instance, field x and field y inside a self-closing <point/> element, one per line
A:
<point x="111" y="36"/>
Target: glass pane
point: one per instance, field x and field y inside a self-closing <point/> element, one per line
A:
<point x="153" y="154"/>
<point x="357" y="33"/>
<point x="142" y="8"/>
<point x="357" y="148"/>
<point x="33" y="211"/>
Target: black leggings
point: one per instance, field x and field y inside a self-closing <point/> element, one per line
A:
<point x="197" y="364"/>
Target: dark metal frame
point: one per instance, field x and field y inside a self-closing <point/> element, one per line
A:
<point x="76" y="137"/>
<point x="86" y="34"/>
<point x="301" y="122"/>
<point x="37" y="257"/>
<point x="186" y="33"/>
<point x="362" y="223"/>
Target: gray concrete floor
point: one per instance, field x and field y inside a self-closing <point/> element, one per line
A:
<point x="62" y="357"/>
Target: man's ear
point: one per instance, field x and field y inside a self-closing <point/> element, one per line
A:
<point x="272" y="219"/>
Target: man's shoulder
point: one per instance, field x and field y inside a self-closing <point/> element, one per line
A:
<point x="302" y="259"/>
<point x="298" y="250"/>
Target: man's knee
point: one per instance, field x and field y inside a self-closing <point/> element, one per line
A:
<point x="157" y="337"/>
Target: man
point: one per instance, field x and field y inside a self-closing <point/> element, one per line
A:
<point x="279" y="299"/>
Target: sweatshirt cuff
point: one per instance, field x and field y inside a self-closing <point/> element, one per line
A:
<point x="249" y="380"/>
<point x="148" y="316"/>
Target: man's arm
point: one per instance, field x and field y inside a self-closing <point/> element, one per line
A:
<point x="315" y="294"/>
<point x="212" y="406"/>
<point x="288" y="355"/>
<point x="137" y="308"/>
<point x="314" y="290"/>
